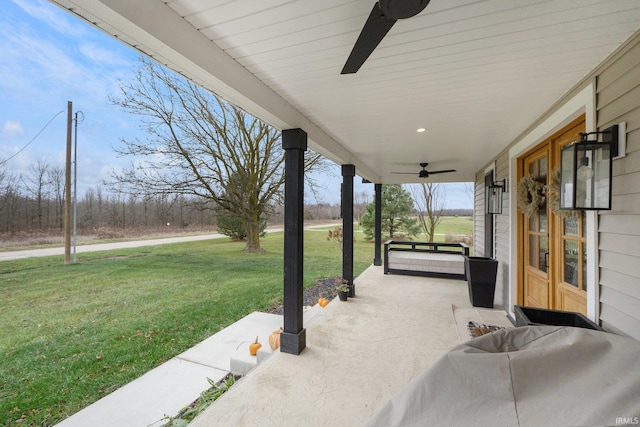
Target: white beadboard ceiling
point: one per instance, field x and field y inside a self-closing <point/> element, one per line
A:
<point x="474" y="73"/>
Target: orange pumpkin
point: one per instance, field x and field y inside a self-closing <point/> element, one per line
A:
<point x="274" y="339"/>
<point x="254" y="347"/>
<point x="323" y="302"/>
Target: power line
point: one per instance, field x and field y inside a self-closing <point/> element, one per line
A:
<point x="33" y="139"/>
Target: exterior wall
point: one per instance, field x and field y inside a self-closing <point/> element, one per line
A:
<point x="500" y="230"/>
<point x="618" y="100"/>
<point x="478" y="216"/>
<point x="616" y="235"/>
<point x="616" y="297"/>
<point x="501" y="239"/>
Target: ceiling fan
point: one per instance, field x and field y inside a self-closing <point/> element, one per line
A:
<point x="384" y="14"/>
<point x="424" y="173"/>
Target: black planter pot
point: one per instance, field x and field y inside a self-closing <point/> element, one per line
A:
<point x="343" y="295"/>
<point x="481" y="275"/>
<point x="526" y="316"/>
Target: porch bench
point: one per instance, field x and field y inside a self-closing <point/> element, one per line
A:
<point x="425" y="259"/>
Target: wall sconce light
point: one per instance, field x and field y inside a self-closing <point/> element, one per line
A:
<point x="494" y="197"/>
<point x="586" y="171"/>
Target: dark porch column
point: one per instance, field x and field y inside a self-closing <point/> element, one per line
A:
<point x="293" y="338"/>
<point x="377" y="260"/>
<point x="348" y="172"/>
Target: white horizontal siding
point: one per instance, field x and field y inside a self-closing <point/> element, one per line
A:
<point x="628" y="264"/>
<point x="619" y="224"/>
<point x="619" y="243"/>
<point x="623" y="283"/>
<point x="621" y="301"/>
<point x="501" y="233"/>
<point x="618" y="100"/>
<point x="615" y="320"/>
<point x="478" y="217"/>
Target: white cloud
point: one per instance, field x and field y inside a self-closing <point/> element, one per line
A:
<point x="35" y="61"/>
<point x="12" y="129"/>
<point x="42" y="11"/>
<point x="41" y="65"/>
<point x="102" y="56"/>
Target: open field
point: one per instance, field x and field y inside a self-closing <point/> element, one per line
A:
<point x="455" y="225"/>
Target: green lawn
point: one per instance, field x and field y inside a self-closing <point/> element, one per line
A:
<point x="455" y="225"/>
<point x="72" y="334"/>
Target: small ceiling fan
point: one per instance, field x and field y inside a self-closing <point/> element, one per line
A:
<point x="384" y="14"/>
<point x="424" y="173"/>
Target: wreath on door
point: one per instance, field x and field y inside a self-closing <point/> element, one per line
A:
<point x="554" y="197"/>
<point x="530" y="195"/>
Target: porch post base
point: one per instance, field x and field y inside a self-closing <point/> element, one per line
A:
<point x="293" y="343"/>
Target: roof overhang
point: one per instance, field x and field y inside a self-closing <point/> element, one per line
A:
<point x="474" y="73"/>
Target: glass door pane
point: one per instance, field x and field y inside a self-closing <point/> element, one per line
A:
<point x="574" y="254"/>
<point x="571" y="263"/>
<point x="533" y="251"/>
<point x="584" y="266"/>
<point x="543" y="253"/>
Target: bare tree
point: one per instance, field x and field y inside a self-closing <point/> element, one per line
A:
<point x="37" y="186"/>
<point x="429" y="199"/>
<point x="55" y="178"/>
<point x="469" y="189"/>
<point x="360" y="201"/>
<point x="200" y="145"/>
<point x="6" y="183"/>
<point x="8" y="195"/>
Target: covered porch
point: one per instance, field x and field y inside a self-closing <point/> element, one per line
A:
<point x="359" y="354"/>
<point x="466" y="86"/>
<point x="464" y="89"/>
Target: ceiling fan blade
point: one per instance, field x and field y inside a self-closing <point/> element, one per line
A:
<point x="402" y="173"/>
<point x="374" y="30"/>
<point x="442" y="171"/>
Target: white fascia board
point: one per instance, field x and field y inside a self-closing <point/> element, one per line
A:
<point x="158" y="31"/>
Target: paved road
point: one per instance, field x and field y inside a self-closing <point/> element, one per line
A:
<point x="29" y="253"/>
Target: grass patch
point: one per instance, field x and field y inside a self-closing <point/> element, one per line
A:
<point x="455" y="225"/>
<point x="73" y="334"/>
<point x="207" y="397"/>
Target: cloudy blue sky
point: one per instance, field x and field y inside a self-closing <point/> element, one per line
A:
<point x="49" y="57"/>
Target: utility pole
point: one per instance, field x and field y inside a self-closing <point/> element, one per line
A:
<point x="67" y="189"/>
<point x="79" y="118"/>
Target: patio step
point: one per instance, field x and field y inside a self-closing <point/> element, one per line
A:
<point x="165" y="390"/>
<point x="241" y="362"/>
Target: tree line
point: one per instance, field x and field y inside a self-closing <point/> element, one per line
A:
<point x="33" y="201"/>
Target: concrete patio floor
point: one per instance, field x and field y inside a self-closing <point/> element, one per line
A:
<point x="359" y="354"/>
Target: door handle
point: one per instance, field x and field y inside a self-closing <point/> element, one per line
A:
<point x="546" y="259"/>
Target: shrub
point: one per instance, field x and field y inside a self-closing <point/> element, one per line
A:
<point x="230" y="225"/>
<point x="459" y="238"/>
<point x="335" y="237"/>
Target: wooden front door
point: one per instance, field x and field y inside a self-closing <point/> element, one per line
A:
<point x="537" y="284"/>
<point x="570" y="245"/>
<point x="554" y="248"/>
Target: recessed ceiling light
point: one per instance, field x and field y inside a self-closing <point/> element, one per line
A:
<point x="420" y="130"/>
